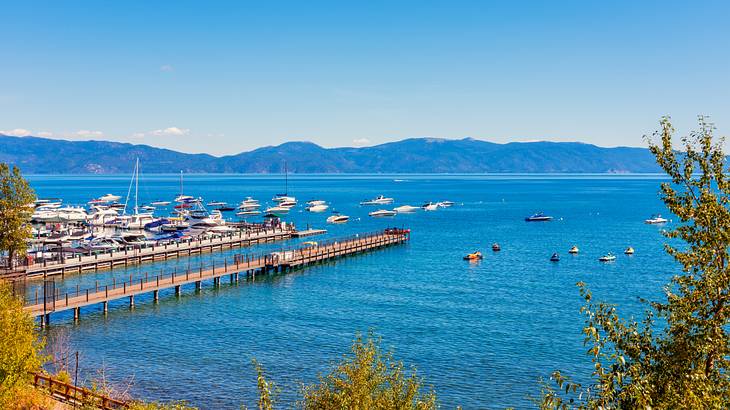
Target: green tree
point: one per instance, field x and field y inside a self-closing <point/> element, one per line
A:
<point x="368" y="379"/>
<point x="19" y="348"/>
<point x="677" y="355"/>
<point x="16" y="197"/>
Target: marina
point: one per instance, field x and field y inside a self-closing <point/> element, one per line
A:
<point x="277" y="262"/>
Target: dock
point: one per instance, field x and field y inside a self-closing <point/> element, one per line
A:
<point x="282" y="261"/>
<point x="108" y="260"/>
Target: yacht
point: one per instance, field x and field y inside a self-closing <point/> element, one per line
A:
<point x="101" y="244"/>
<point x="337" y="218"/>
<point x="430" y="206"/>
<point x="101" y="216"/>
<point x="282" y="198"/>
<point x="160" y="203"/>
<point x="248" y="212"/>
<point x="445" y="204"/>
<point x="110" y="198"/>
<point x="289" y="203"/>
<point x="382" y="212"/>
<point x="217" y="203"/>
<point x="136" y="221"/>
<point x="182" y="197"/>
<point x="316" y="202"/>
<point x="147" y="208"/>
<point x="609" y="257"/>
<point x="318" y="208"/>
<point x="380" y="200"/>
<point x="538" y="217"/>
<point x="277" y="210"/>
<point x="405" y="208"/>
<point x="656" y="219"/>
<point x="132" y="239"/>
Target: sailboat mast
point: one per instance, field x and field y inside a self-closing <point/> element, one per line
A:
<point x="136" y="187"/>
<point x="286" y="180"/>
<point x="181" y="183"/>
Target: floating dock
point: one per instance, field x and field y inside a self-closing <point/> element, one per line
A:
<point x="108" y="260"/>
<point x="52" y="301"/>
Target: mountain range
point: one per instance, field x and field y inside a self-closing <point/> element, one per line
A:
<point x="35" y="155"/>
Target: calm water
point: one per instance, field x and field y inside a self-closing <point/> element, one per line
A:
<point x="482" y="333"/>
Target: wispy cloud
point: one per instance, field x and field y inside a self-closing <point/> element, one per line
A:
<point x="17" y="132"/>
<point x="167" y="68"/>
<point x="361" y="141"/>
<point x="170" y="131"/>
<point x="44" y="134"/>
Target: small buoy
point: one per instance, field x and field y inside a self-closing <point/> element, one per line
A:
<point x="629" y="251"/>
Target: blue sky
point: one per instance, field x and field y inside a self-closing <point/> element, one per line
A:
<point x="224" y="77"/>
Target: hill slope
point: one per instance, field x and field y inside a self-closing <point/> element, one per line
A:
<point x="416" y="155"/>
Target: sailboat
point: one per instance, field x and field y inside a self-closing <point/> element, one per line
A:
<point x="136" y="220"/>
<point x="182" y="197"/>
<point x="284" y="199"/>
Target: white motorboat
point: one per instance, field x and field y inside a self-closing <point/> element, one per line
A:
<point x="405" y="209"/>
<point x="217" y="203"/>
<point x="248" y="212"/>
<point x="132" y="239"/>
<point x="430" y="206"/>
<point x="160" y="203"/>
<point x="382" y="213"/>
<point x="609" y="257"/>
<point x="288" y="203"/>
<point x="135" y="221"/>
<point x="337" y="218"/>
<point x="277" y="210"/>
<point x="444" y="204"/>
<point x="147" y="208"/>
<point x="101" y="216"/>
<point x="656" y="219"/>
<point x="316" y="202"/>
<point x="318" y="208"/>
<point x="110" y="198"/>
<point x="101" y="244"/>
<point x="380" y="200"/>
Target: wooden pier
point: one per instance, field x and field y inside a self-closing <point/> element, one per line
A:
<point x="108" y="260"/>
<point x="281" y="261"/>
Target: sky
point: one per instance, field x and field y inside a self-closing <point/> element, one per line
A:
<point x="224" y="77"/>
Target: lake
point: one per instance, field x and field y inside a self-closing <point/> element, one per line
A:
<point x="481" y="333"/>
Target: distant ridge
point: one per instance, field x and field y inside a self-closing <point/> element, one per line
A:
<point x="35" y="155"/>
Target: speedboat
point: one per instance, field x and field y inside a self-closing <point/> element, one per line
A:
<point x="288" y="203"/>
<point x="245" y="213"/>
<point x="538" y="217"/>
<point x="496" y="247"/>
<point x="132" y="239"/>
<point x="160" y="203"/>
<point x="277" y="210"/>
<point x="430" y="206"/>
<point x="337" y="218"/>
<point x="101" y="216"/>
<point x="573" y="250"/>
<point x="555" y="257"/>
<point x="474" y="256"/>
<point x="184" y="198"/>
<point x="382" y="212"/>
<point x="405" y="209"/>
<point x="316" y="202"/>
<point x="380" y="200"/>
<point x="101" y="244"/>
<point x="217" y="203"/>
<point x="656" y="219"/>
<point x="110" y="198"/>
<point x="283" y="198"/>
<point x="629" y="251"/>
<point x="609" y="257"/>
<point x="318" y="208"/>
<point x="445" y="204"/>
<point x="249" y="203"/>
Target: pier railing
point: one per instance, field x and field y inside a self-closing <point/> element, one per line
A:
<point x="55" y="300"/>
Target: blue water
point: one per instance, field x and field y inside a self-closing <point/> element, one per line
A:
<point x="481" y="333"/>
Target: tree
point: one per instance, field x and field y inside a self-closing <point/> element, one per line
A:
<point x="19" y="348"/>
<point x="677" y="355"/>
<point x="368" y="379"/>
<point x="16" y="197"/>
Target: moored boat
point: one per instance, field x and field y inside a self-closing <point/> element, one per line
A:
<point x="405" y="209"/>
<point x="379" y="200"/>
<point x="573" y="250"/>
<point x="538" y="217"/>
<point x="555" y="257"/>
<point x="609" y="257"/>
<point x="382" y="213"/>
<point x="337" y="218"/>
<point x="656" y="219"/>
<point x="474" y="256"/>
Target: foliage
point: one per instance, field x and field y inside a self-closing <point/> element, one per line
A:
<point x="368" y="379"/>
<point x="677" y="356"/>
<point x="266" y="388"/>
<point x="16" y="195"/>
<point x="19" y="346"/>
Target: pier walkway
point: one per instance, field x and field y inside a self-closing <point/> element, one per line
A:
<point x="108" y="260"/>
<point x="52" y="301"/>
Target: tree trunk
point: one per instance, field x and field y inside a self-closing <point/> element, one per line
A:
<point x="11" y="259"/>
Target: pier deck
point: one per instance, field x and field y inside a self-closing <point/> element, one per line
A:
<point x="108" y="260"/>
<point x="250" y="266"/>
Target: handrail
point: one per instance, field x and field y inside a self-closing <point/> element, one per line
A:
<point x="240" y="261"/>
<point x="70" y="393"/>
